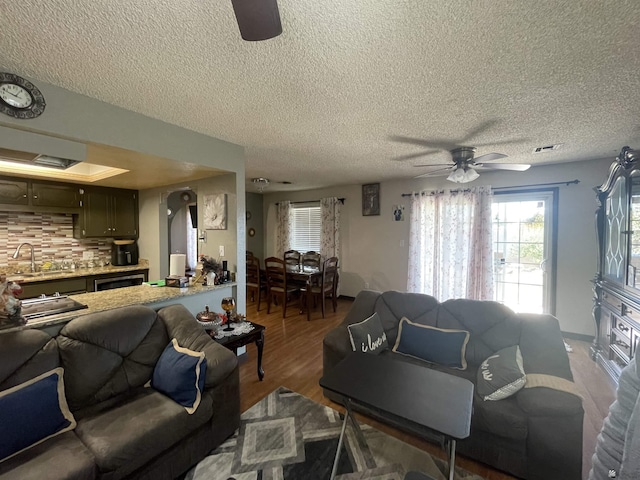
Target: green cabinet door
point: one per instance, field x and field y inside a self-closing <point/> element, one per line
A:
<point x="13" y="192"/>
<point x="124" y="213"/>
<point x="55" y="195"/>
<point x="95" y="214"/>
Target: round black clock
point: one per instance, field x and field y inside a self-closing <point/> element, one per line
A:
<point x="19" y="97"/>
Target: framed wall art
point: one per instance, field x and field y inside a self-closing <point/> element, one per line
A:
<point x="371" y="199"/>
<point x="215" y="211"/>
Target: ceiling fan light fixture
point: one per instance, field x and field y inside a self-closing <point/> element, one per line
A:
<point x="463" y="175"/>
<point x="257" y="19"/>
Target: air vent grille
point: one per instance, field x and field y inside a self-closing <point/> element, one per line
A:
<point x="547" y="148"/>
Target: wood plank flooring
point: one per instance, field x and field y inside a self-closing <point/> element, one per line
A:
<point x="292" y="358"/>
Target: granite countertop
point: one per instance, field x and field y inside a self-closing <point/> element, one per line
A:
<point x="118" y="297"/>
<point x="80" y="272"/>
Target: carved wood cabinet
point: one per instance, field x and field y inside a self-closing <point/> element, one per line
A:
<point x="617" y="283"/>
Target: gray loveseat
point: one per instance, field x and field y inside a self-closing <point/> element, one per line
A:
<point x="125" y="430"/>
<point x="534" y="434"/>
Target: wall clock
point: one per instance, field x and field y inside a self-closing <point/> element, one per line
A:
<point x="19" y="97"/>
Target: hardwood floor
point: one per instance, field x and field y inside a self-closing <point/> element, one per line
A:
<point x="292" y="358"/>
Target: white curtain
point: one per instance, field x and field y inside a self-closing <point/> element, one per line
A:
<point x="450" y="244"/>
<point x="284" y="217"/>
<point x="330" y="227"/>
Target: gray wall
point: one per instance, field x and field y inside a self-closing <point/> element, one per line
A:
<point x="255" y="244"/>
<point x="375" y="248"/>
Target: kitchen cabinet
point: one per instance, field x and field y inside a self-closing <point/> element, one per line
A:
<point x="46" y="194"/>
<point x="108" y="212"/>
<point x="21" y="194"/>
<point x="14" y="191"/>
<point x="617" y="283"/>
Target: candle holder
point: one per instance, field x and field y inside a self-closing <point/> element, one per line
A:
<point x="228" y="304"/>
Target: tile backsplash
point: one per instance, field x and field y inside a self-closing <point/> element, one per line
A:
<point x="51" y="235"/>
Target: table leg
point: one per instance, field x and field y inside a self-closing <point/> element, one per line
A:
<point x="334" y="470"/>
<point x="260" y="345"/>
<point x="451" y="450"/>
<point x="309" y="298"/>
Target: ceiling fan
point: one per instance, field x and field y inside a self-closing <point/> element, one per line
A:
<point x="464" y="165"/>
<point x="257" y="19"/>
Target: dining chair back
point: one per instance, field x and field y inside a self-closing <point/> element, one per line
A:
<point x="311" y="259"/>
<point x="277" y="285"/>
<point x="292" y="258"/>
<point x="255" y="285"/>
<point x="328" y="287"/>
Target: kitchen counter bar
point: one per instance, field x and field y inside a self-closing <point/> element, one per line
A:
<point x="121" y="297"/>
<point x="26" y="278"/>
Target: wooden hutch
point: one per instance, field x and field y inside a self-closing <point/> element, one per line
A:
<point x="617" y="283"/>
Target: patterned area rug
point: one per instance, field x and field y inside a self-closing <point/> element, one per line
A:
<point x="286" y="436"/>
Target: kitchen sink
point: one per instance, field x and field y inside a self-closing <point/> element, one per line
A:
<point x="44" y="306"/>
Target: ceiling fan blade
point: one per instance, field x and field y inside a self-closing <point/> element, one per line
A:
<point x="257" y="19"/>
<point x="413" y="155"/>
<point x="488" y="156"/>
<point x="501" y="142"/>
<point x="448" y="165"/>
<point x="479" y="129"/>
<point x="435" y="143"/>
<point x="517" y="167"/>
<point x="432" y="173"/>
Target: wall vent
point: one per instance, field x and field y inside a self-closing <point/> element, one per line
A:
<point x="547" y="148"/>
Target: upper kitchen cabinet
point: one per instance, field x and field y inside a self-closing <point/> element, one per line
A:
<point x="14" y="191"/>
<point x="108" y="212"/>
<point x="20" y="194"/>
<point x="46" y="194"/>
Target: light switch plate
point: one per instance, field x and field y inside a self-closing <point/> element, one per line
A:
<point x="221" y="250"/>
<point x="87" y="255"/>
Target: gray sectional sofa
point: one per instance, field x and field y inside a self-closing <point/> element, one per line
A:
<point x="125" y="429"/>
<point x="535" y="433"/>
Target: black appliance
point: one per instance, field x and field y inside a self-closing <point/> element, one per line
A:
<point x="124" y="252"/>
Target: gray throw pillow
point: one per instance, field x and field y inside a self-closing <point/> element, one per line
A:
<point x="501" y="375"/>
<point x="368" y="336"/>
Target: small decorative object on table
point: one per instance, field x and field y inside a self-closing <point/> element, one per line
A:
<point x="209" y="320"/>
<point x="228" y="304"/>
<point x="208" y="270"/>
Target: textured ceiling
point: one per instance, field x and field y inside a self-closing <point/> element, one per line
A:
<point x="316" y="106"/>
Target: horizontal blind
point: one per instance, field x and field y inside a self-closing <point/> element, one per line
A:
<point x="307" y="226"/>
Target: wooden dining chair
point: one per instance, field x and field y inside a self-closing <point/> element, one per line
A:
<point x="328" y="288"/>
<point x="277" y="285"/>
<point x="292" y="258"/>
<point x="311" y="259"/>
<point x="255" y="284"/>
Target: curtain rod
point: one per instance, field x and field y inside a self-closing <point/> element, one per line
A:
<point x="567" y="183"/>
<point x="312" y="201"/>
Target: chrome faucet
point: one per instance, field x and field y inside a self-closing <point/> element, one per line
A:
<point x="33" y="257"/>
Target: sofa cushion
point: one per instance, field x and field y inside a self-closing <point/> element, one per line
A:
<point x="435" y="345"/>
<point x="501" y="375"/>
<point x="25" y="354"/>
<point x="368" y="336"/>
<point x="131" y="434"/>
<point x="180" y="375"/>
<point x="504" y="418"/>
<point x="106" y="354"/>
<point x="33" y="412"/>
<point x="63" y="456"/>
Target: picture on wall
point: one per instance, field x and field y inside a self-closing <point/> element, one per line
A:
<point x="371" y="199"/>
<point x="215" y="211"/>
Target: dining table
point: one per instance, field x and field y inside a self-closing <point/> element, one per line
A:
<point x="307" y="275"/>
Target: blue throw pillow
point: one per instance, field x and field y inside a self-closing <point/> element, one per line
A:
<point x="180" y="375"/>
<point x="434" y="345"/>
<point x="33" y="412"/>
<point x="368" y="336"/>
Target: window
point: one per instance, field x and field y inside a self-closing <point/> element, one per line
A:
<point x="524" y="250"/>
<point x="306" y="228"/>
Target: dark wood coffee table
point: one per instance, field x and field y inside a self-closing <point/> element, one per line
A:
<point x="232" y="342"/>
<point x="414" y="397"/>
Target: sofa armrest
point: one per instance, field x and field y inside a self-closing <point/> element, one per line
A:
<point x="182" y="326"/>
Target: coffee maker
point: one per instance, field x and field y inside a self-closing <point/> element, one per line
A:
<point x="124" y="252"/>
